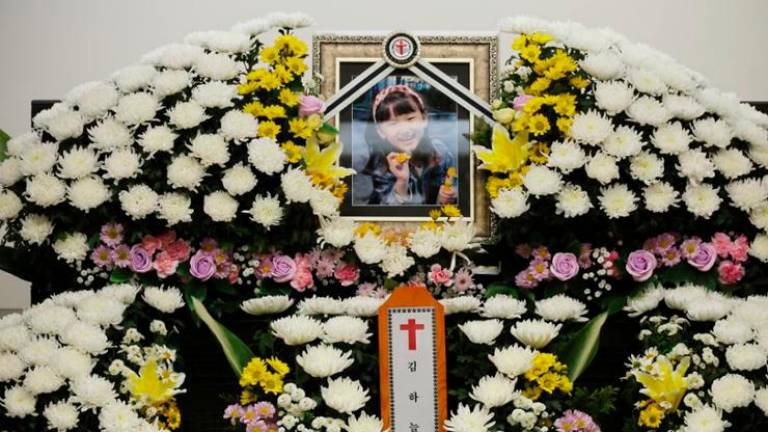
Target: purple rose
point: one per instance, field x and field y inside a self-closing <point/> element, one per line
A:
<point x="283" y="268"/>
<point x="564" y="266"/>
<point x="704" y="258"/>
<point x="141" y="259"/>
<point x="202" y="265"/>
<point x="640" y="264"/>
<point x="309" y="105"/>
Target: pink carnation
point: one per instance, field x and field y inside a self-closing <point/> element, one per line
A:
<point x="730" y="272"/>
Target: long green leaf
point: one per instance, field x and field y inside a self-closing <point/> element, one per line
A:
<point x="4" y="138"/>
<point x="581" y="350"/>
<point x="237" y="352"/>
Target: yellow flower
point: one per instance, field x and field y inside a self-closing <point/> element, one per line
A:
<point x="430" y="225"/>
<point x="292" y="151"/>
<point x="548" y="382"/>
<point x="520" y="42"/>
<point x="668" y="384"/>
<point x="538" y="124"/>
<point x="291" y="44"/>
<point x="283" y="75"/>
<point x="268" y="129"/>
<point x="579" y="82"/>
<point x="296" y="65"/>
<point x="273" y="112"/>
<point x="339" y="190"/>
<point x="539" y="85"/>
<point x="247" y="88"/>
<point x="288" y="97"/>
<point x="540" y="38"/>
<point x="651" y="416"/>
<point x="533" y="392"/>
<point x="246" y="397"/>
<point x="315" y="122"/>
<point x="402" y="158"/>
<point x="271" y="383"/>
<point x="450" y="210"/>
<point x="269" y="55"/>
<point x="533" y="105"/>
<point x="149" y="385"/>
<point x="566" y="105"/>
<point x="564" y="124"/>
<point x="324" y="163"/>
<point x="494" y="185"/>
<point x="564" y="384"/>
<point x="280" y="367"/>
<point x="505" y="155"/>
<point x="299" y="128"/>
<point x="530" y="53"/>
<point x="172" y="416"/>
<point x="516" y="178"/>
<point x="366" y="227"/>
<point x="253" y="372"/>
<point x="254" y="108"/>
<point x="271" y="81"/>
<point x="539" y="153"/>
<point x="435" y="214"/>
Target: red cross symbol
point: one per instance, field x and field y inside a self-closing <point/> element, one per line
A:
<point x="411" y="328"/>
<point x="401" y="46"/>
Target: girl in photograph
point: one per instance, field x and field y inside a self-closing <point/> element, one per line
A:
<point x="405" y="165"/>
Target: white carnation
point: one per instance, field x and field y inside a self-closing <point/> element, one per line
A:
<point x="591" y="127"/>
<point x="220" y="206"/>
<point x="138" y="201"/>
<point x="88" y="193"/>
<point x="702" y="200"/>
<point x="157" y="139"/>
<point x="137" y="108"/>
<point x="267" y="156"/>
<point x="617" y="201"/>
<point x="186" y="115"/>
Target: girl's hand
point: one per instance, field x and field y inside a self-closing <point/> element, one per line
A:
<point x="446" y="195"/>
<point x="398" y="169"/>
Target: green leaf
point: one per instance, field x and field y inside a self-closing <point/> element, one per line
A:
<point x="4" y="138"/>
<point x="120" y="275"/>
<point x="237" y="352"/>
<point x="497" y="288"/>
<point x="581" y="350"/>
<point x="328" y="129"/>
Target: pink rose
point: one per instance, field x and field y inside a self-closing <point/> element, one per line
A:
<point x="730" y="272"/>
<point x="283" y="268"/>
<point x="704" y="257"/>
<point x="722" y="244"/>
<point x="179" y="250"/>
<point x="165" y="265"/>
<point x="347" y="274"/>
<point x="641" y="264"/>
<point x="309" y="105"/>
<point x="740" y="249"/>
<point x="440" y="276"/>
<point x="518" y="103"/>
<point x="564" y="266"/>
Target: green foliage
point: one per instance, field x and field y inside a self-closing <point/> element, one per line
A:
<point x="237" y="352"/>
<point x="579" y="352"/>
<point x="4" y="138"/>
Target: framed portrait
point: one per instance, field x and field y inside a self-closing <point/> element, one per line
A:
<point x="407" y="139"/>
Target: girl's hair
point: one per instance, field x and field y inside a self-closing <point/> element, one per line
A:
<point x="390" y="102"/>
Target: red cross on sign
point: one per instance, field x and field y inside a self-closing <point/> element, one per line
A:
<point x="411" y="328"/>
<point x="401" y="46"/>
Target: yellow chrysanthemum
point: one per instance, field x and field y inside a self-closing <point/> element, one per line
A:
<point x="271" y="81"/>
<point x="540" y="38"/>
<point x="566" y="105"/>
<point x="539" y="153"/>
<point x="283" y="75"/>
<point x="268" y="129"/>
<point x="579" y="82"/>
<point x="172" y="416"/>
<point x="370" y="227"/>
<point x="271" y="383"/>
<point x="315" y="122"/>
<point x="548" y="382"/>
<point x="494" y="185"/>
<point x="247" y="397"/>
<point x="534" y="105"/>
<point x="292" y="151"/>
<point x="254" y="108"/>
<point x="299" y="128"/>
<point x="253" y="372"/>
<point x="530" y="53"/>
<point x="274" y="112"/>
<point x="564" y="125"/>
<point x="296" y="65"/>
<point x="539" y="85"/>
<point x="450" y="210"/>
<point x="520" y="42"/>
<point x="538" y="124"/>
<point x="651" y="416"/>
<point x="279" y="366"/>
<point x="269" y="55"/>
<point x="247" y="87"/>
<point x="288" y="97"/>
<point x="533" y="393"/>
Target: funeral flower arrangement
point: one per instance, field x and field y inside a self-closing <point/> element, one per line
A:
<point x="205" y="177"/>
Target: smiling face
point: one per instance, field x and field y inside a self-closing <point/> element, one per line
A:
<point x="401" y="120"/>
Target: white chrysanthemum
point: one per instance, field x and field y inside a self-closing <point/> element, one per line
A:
<point x="660" y="197"/>
<point x="42" y="379"/>
<point x="61" y="416"/>
<point x="370" y="248"/>
<point x="237" y="125"/>
<point x="617" y="201"/>
<point x="704" y="419"/>
<point x="93" y="391"/>
<point x="396" y="260"/>
<point x="132" y="78"/>
<point x="695" y="165"/>
<point x="109" y="134"/>
<point x="93" y="99"/>
<point x="267" y="305"/>
<point x="292" y="20"/>
<point x="613" y="96"/>
<point x="602" y="168"/>
<point x="344" y="395"/>
<point x="493" y="391"/>
<point x="646" y="301"/>
<point x="157" y="139"/>
<point x="759" y="217"/>
<point x="648" y="111"/>
<point x="186" y="115"/>
<point x="603" y="65"/>
<point x="425" y="242"/>
<point x="320" y="306"/>
<point x="11" y="367"/>
<point x="510" y="203"/>
<point x="101" y="310"/>
<point x="362" y="306"/>
<point x="77" y="163"/>
<point x="337" y="232"/>
<point x="211" y="149"/>
<point x="217" y="66"/>
<point x="566" y="156"/>
<point x="513" y="360"/>
<point x="482" y="331"/>
<point x="572" y="201"/>
<point x="119" y="416"/>
<point x="732" y="163"/>
<point x="477" y="419"/>
<point x="702" y="200"/>
<point x="39" y="351"/>
<point x="759" y="155"/>
<point x="711" y="307"/>
<point x="174" y="208"/>
<point x="72" y="247"/>
<point x="591" y="127"/>
<point x="646" y="167"/>
<point x="169" y="82"/>
<point x="745" y="357"/>
<point x="64" y="123"/>
<point x="535" y="333"/>
<point x="48" y="318"/>
<point x="296" y="329"/>
<point x="136" y="108"/>
<point x="215" y="94"/>
<point x="124" y="292"/>
<point x="44" y="190"/>
<point x="10" y="205"/>
<point x="267" y="156"/>
<point x="671" y="138"/>
<point x="138" y="201"/>
<point x="646" y="81"/>
<point x="17" y="145"/>
<point x="39" y="158"/>
<point x="504" y="307"/>
<point x="122" y="164"/>
<point x="750" y="132"/>
<point x="561" y="308"/>
<point x="324" y="203"/>
<point x="18" y="402"/>
<point x="266" y="210"/>
<point x="322" y="361"/>
<point x="462" y="304"/>
<point x="185" y="172"/>
<point x="759" y="247"/>
<point x="174" y="56"/>
<point x="748" y="194"/>
<point x="10" y="171"/>
<point x="732" y="391"/>
<point x="732" y="331"/>
<point x="346" y="329"/>
<point x="761" y="400"/>
<point x="683" y="107"/>
<point x="364" y="423"/>
<point x="88" y="193"/>
<point x="218" y="40"/>
<point x="165" y="300"/>
<point x="623" y="142"/>
<point x="713" y="132"/>
<point x="540" y="180"/>
<point x="220" y="206"/>
<point x="457" y="235"/>
<point x="88" y="338"/>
